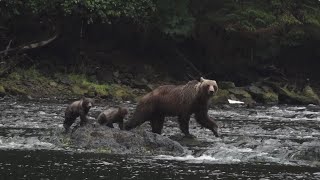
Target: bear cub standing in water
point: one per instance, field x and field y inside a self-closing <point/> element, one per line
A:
<point x="76" y="109"/>
<point x="113" y="115"/>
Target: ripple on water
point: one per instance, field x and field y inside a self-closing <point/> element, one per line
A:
<point x="18" y="142"/>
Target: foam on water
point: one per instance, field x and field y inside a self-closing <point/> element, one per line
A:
<point x="201" y="159"/>
<point x="24" y="143"/>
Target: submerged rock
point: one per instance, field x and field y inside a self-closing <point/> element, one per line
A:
<point x="112" y="140"/>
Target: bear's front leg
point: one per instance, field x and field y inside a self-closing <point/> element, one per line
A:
<point x="68" y="122"/>
<point x="70" y="118"/>
<point x="204" y="120"/>
<point x="120" y="125"/>
<point x="157" y="123"/>
<point x="83" y="119"/>
<point x="110" y="125"/>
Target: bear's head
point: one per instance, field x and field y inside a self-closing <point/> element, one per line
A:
<point x="87" y="103"/>
<point x="208" y="87"/>
<point x="123" y="111"/>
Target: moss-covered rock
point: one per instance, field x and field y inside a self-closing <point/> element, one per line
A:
<point x="270" y="98"/>
<point x="2" y="91"/>
<point x="306" y="97"/>
<point x="78" y="90"/>
<point x="226" y="85"/>
<point x="221" y="97"/>
<point x="53" y="84"/>
<point x="122" y="92"/>
<point x="265" y="94"/>
<point x="14" y="76"/>
<point x="15" y="90"/>
<point x="311" y="95"/>
<point x="101" y="90"/>
<point x="240" y="92"/>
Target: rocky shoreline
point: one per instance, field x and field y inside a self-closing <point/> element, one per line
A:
<point x="123" y="86"/>
<point x="266" y="92"/>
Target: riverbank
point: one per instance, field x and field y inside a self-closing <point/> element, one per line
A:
<point x="125" y="86"/>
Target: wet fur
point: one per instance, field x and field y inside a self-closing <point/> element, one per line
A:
<point x="112" y="115"/>
<point x="172" y="100"/>
<point x="78" y="108"/>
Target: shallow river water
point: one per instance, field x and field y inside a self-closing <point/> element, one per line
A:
<point x="265" y="142"/>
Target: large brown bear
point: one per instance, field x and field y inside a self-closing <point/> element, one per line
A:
<point x="112" y="115"/>
<point x="76" y="109"/>
<point x="181" y="101"/>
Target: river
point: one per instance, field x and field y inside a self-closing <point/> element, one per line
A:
<point x="264" y="142"/>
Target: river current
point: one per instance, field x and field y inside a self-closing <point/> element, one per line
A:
<point x="264" y="142"/>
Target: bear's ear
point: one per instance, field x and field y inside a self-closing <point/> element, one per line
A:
<point x="201" y="79"/>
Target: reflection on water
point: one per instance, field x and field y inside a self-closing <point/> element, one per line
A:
<point x="279" y="142"/>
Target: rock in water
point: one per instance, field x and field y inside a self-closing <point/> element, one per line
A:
<point x="112" y="140"/>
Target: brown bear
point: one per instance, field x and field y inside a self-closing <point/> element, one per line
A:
<point x="112" y="115"/>
<point x="76" y="109"/>
<point x="181" y="101"/>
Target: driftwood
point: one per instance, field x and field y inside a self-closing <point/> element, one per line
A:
<point x="32" y="45"/>
<point x="16" y="55"/>
<point x="29" y="46"/>
<point x="8" y="47"/>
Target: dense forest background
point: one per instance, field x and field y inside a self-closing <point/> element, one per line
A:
<point x="235" y="40"/>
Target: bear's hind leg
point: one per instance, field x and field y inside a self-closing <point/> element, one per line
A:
<point x="120" y="125"/>
<point x="184" y="125"/>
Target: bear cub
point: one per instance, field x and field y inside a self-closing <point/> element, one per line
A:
<point x="112" y="115"/>
<point x="78" y="108"/>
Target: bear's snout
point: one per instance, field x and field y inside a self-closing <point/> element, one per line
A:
<point x="89" y="105"/>
<point x="211" y="90"/>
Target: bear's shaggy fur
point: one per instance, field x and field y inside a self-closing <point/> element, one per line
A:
<point x="181" y="101"/>
<point x="76" y="109"/>
<point x="112" y="115"/>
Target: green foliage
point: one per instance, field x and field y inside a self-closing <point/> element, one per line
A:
<point x="82" y="86"/>
<point x="174" y="17"/>
<point x="251" y="15"/>
<point x="294" y="37"/>
<point x="91" y="10"/>
<point x="2" y="90"/>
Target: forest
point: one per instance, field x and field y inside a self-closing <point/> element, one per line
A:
<point x="112" y="47"/>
